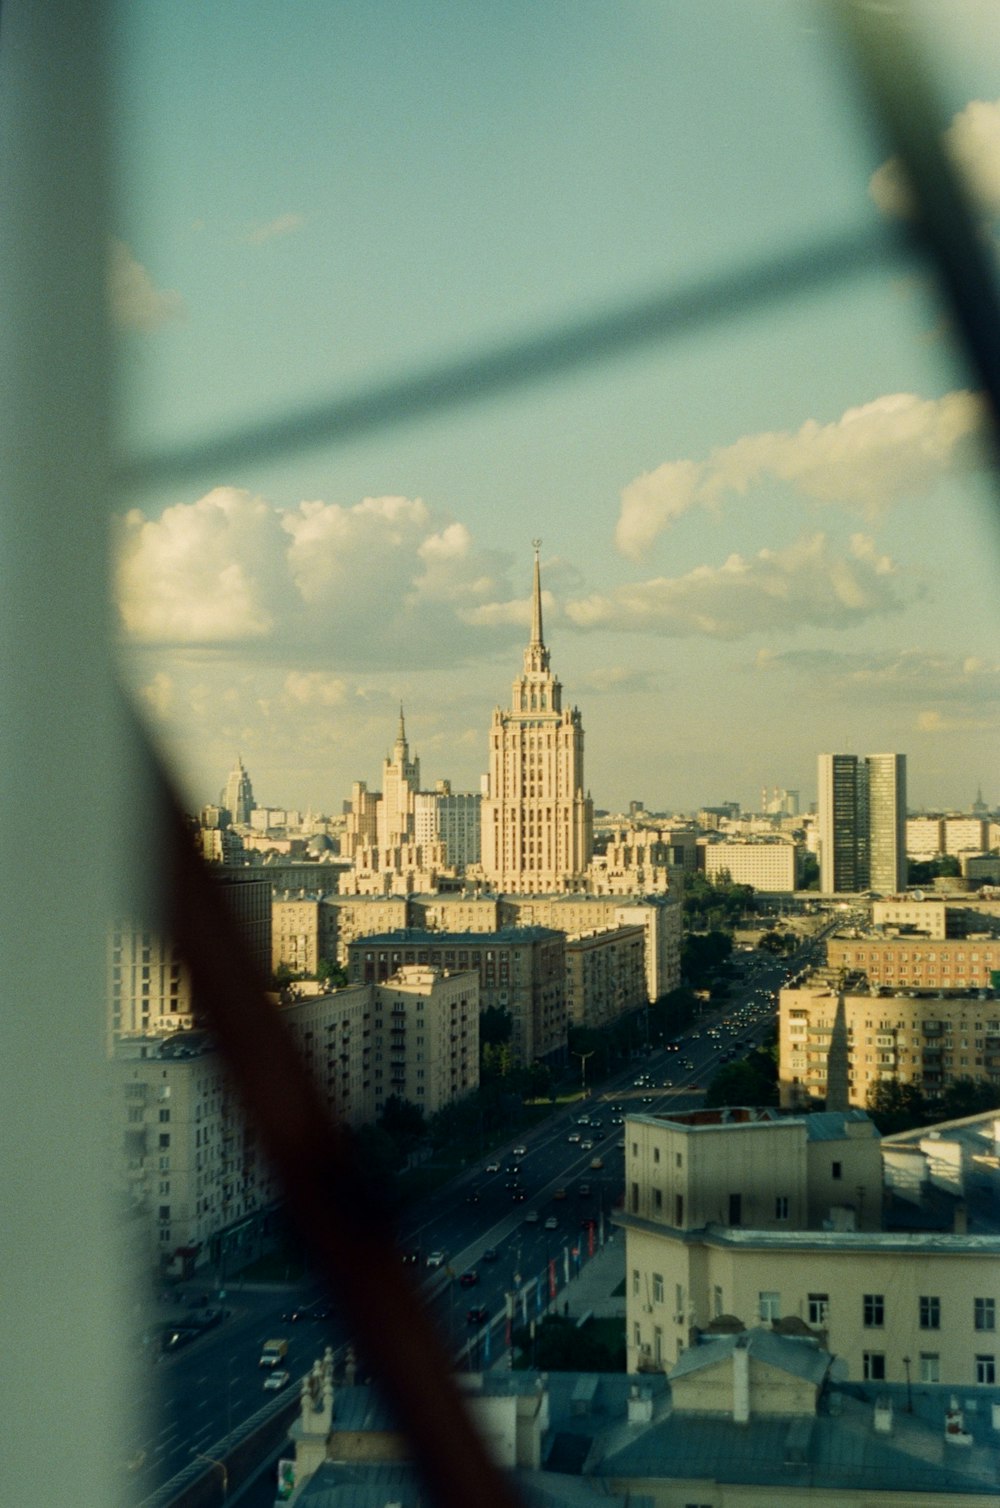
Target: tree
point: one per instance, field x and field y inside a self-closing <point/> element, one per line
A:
<point x="496" y="1025"/>
<point x="968" y="1096"/>
<point x="897" y="1107"/>
<point x="331" y="973"/>
<point x="751" y="1081"/>
<point x="404" y="1122"/>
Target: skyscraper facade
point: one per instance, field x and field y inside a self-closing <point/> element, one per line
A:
<point x="400" y="783"/>
<point x="537" y="822"/>
<point x="237" y="797"/>
<point x="862" y="822"/>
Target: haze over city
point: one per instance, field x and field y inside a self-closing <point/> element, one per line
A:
<point x="762" y="539"/>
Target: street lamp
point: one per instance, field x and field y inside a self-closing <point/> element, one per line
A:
<point x="222" y="1467"/>
<point x="583" y="1056"/>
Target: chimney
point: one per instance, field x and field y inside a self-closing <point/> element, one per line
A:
<point x="741" y="1380"/>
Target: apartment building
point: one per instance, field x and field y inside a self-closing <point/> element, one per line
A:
<point x="521" y="970"/>
<point x="739" y="1220"/>
<point x="190" y="1163"/>
<point x="188" y="1160"/>
<point x="303" y="931"/>
<point x="769" y="864"/>
<point x="916" y="963"/>
<point x="929" y="1039"/>
<point x="605" y="976"/>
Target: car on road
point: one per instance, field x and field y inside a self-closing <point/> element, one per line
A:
<point x="559" y="1194"/>
<point x="597" y="1163"/>
<point x="518" y="1196"/>
<point x="294" y="1315"/>
<point x="493" y="1167"/>
<point x="490" y="1254"/>
<point x="436" y="1259"/>
<point x="552" y="1223"/>
<point x="411" y="1258"/>
<point x="275" y="1381"/>
<point x="473" y="1196"/>
<point x="519" y="1151"/>
<point x="469" y="1279"/>
<point x="584" y="1191"/>
<point x="531" y="1218"/>
<point x="513" y="1167"/>
<point x="477" y="1316"/>
<point x="668" y="1083"/>
<point x="587" y="1146"/>
<point x="574" y="1137"/>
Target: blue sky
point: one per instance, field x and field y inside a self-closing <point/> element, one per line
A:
<point x="763" y="539"/>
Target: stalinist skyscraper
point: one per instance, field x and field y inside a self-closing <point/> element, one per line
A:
<point x="537" y="824"/>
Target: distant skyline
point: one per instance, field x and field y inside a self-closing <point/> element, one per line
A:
<point x="770" y="538"/>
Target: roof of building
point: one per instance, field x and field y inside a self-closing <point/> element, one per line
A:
<point x="836" y="1448"/>
<point x="801" y="1358"/>
<point x="419" y="936"/>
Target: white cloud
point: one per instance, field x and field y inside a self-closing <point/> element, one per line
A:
<point x="866" y="460"/>
<point x="311" y="688"/>
<point x="209" y="572"/>
<point x="159" y="694"/>
<point x="973" y="143"/>
<point x="271" y="230"/>
<point x="136" y="302"/>
<point x="379" y="583"/>
<point x="806" y="584"/>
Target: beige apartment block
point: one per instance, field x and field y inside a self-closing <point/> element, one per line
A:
<point x="187" y="1158"/>
<point x="964" y="963"/>
<point x="521" y="970"/>
<point x="660" y="917"/>
<point x="416" y="1036"/>
<point x="766" y="864"/>
<point x="303" y="931"/>
<point x="770" y="1222"/>
<point x="929" y="1039"/>
<point x="605" y="976"/>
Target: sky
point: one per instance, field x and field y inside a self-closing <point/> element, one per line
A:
<point x="768" y="534"/>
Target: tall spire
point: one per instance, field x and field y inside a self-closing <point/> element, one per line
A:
<point x="400" y="748"/>
<point x="536" y="600"/>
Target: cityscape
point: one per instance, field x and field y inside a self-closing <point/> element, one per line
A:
<point x="502" y="912"/>
<point x="797" y="1220"/>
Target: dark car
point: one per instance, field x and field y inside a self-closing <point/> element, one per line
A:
<point x="490" y="1254"/>
<point x="469" y="1279"/>
<point x="411" y="1258"/>
<point x="518" y="1196"/>
<point x="478" y="1316"/>
<point x="473" y="1196"/>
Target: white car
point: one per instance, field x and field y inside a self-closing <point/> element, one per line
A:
<point x="518" y="1151"/>
<point x="531" y="1218"/>
<point x="275" y="1381"/>
<point x="436" y="1259"/>
<point x="552" y="1223"/>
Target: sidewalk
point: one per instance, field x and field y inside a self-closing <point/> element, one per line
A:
<point x="592" y="1291"/>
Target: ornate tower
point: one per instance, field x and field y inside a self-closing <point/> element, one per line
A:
<point x="237" y="796"/>
<point x="537" y="824"/>
<point x="400" y="782"/>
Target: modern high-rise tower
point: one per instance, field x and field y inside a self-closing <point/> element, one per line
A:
<point x="537" y="823"/>
<point x="862" y="822"/>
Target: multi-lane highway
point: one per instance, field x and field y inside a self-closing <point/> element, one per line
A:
<point x="498" y="1232"/>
